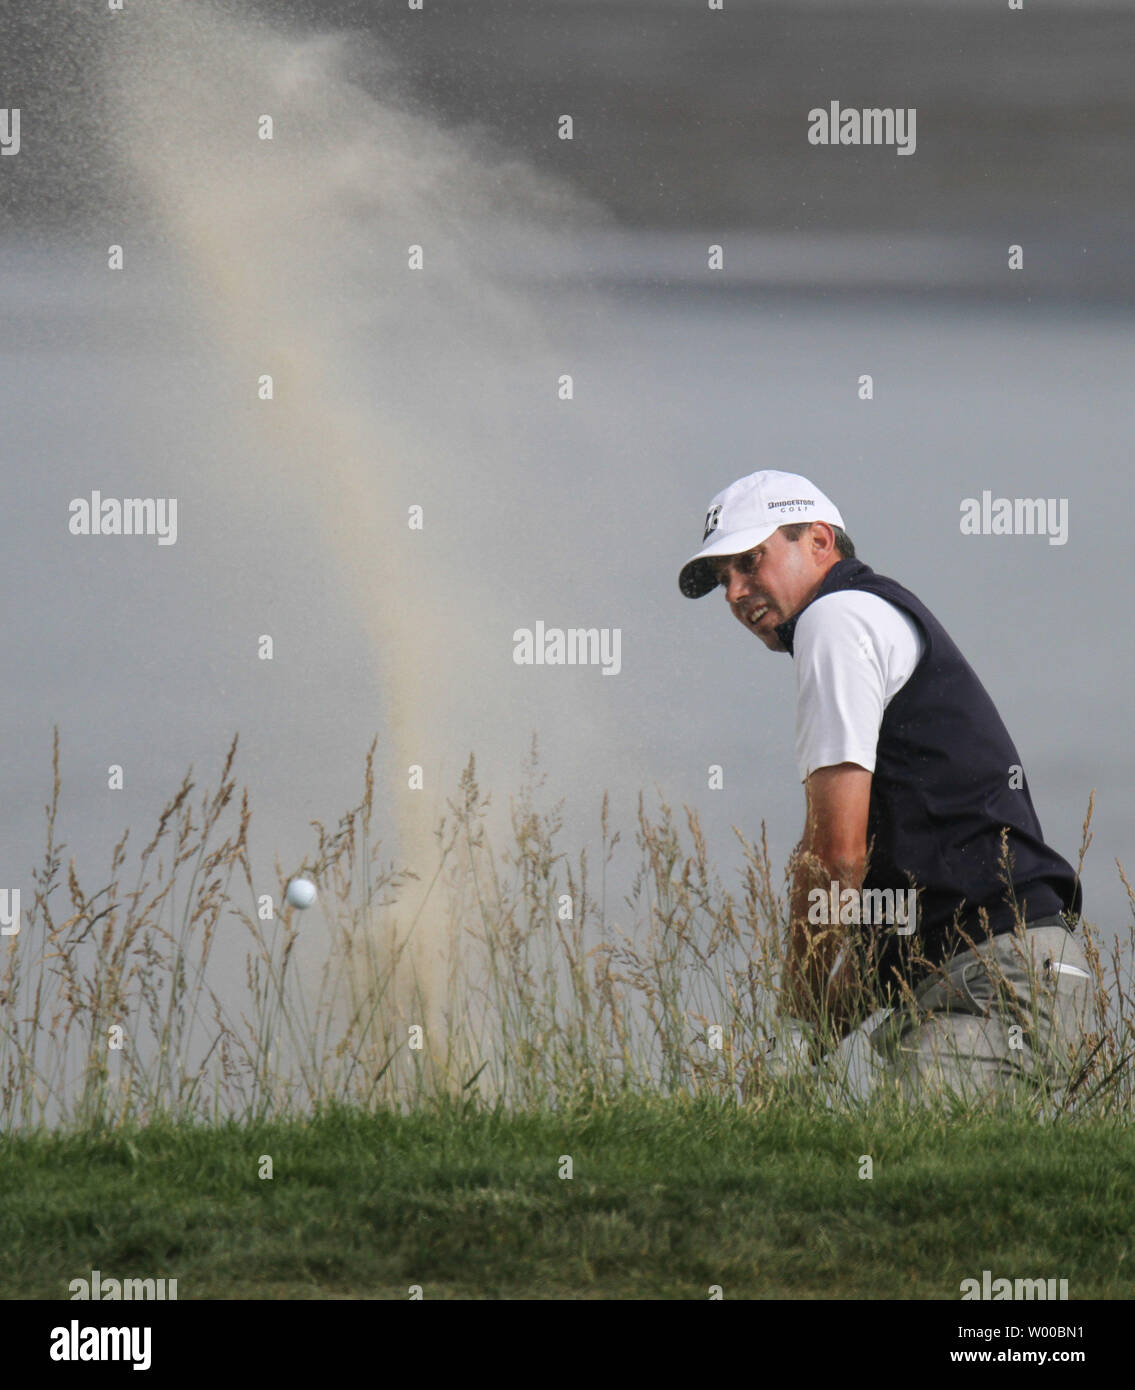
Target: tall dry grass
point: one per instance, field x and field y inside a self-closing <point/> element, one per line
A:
<point x="555" y="994"/>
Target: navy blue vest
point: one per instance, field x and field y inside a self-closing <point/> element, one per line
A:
<point x="940" y="796"/>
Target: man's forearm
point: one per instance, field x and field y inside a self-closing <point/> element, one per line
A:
<point x="812" y="992"/>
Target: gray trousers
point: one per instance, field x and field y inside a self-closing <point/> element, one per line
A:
<point x="1010" y="1016"/>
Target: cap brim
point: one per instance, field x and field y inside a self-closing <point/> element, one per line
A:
<point x="697" y="579"/>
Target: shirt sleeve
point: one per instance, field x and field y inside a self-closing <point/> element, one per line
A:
<point x="852" y="653"/>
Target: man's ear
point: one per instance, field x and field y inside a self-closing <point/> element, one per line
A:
<point x="822" y="536"/>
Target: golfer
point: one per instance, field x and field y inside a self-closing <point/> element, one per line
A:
<point x="912" y="783"/>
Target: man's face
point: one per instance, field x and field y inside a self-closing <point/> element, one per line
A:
<point x="765" y="586"/>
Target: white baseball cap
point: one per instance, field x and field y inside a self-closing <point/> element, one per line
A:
<point x="747" y="513"/>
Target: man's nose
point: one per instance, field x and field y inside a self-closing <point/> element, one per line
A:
<point x="736" y="586"/>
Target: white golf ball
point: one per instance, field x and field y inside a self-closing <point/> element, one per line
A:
<point x="301" y="892"/>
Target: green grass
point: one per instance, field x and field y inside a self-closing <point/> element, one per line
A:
<point x="546" y="1022"/>
<point x="667" y="1199"/>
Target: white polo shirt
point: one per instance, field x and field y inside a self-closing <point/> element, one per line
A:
<point x="853" y="652"/>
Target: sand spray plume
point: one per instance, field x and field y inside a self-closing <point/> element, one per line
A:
<point x="295" y="250"/>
